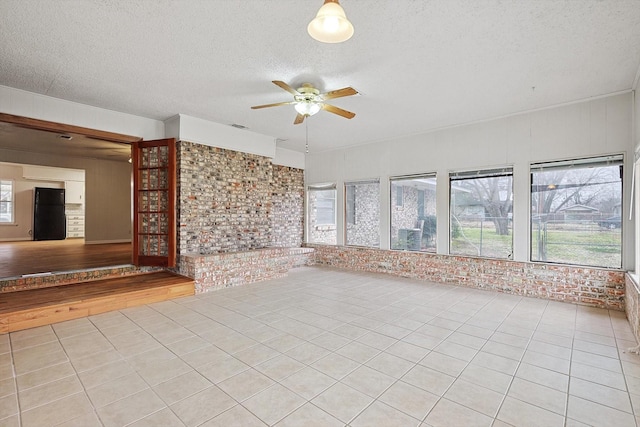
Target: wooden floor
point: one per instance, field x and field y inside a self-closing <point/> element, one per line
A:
<point x="19" y="258"/>
<point x="38" y="307"/>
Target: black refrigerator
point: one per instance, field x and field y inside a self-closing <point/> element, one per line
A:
<point x="49" y="221"/>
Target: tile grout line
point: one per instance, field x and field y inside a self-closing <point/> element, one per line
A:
<point x="467" y="363"/>
<point x="513" y="376"/>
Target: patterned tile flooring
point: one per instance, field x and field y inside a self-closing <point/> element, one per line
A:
<point x="326" y="347"/>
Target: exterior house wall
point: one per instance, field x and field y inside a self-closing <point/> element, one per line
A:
<point x="319" y="233"/>
<point x="405" y="216"/>
<point x="365" y="230"/>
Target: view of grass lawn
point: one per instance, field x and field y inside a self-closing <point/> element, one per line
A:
<point x="481" y="239"/>
<point x="593" y="246"/>
<point x="582" y="244"/>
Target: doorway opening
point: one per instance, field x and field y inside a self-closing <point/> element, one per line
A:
<point x="105" y="157"/>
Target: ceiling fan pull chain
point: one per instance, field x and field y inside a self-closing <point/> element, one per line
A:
<point x="306" y="129"/>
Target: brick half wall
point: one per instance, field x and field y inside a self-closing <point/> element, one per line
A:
<point x="593" y="287"/>
<point x="217" y="271"/>
<point x="632" y="307"/>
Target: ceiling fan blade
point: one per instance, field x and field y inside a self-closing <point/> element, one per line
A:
<point x="345" y="91"/>
<point x="299" y="119"/>
<point x="286" y="87"/>
<point x="339" y="111"/>
<point x="277" y="104"/>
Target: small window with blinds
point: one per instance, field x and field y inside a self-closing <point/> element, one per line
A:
<point x="576" y="211"/>
<point x="481" y="204"/>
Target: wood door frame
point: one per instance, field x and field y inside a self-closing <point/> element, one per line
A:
<point x="157" y="260"/>
<point x="30" y="123"/>
<point x="49" y="126"/>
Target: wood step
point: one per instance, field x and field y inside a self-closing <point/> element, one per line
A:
<point x="38" y="307"/>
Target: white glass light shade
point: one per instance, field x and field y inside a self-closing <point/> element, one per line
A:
<point x="330" y="24"/>
<point x="307" y="108"/>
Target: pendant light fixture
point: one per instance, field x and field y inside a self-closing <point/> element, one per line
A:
<point x="330" y="24"/>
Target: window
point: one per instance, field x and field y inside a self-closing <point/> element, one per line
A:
<point x="6" y="201"/>
<point x="322" y="214"/>
<point x="480" y="213"/>
<point x="576" y="212"/>
<point x="362" y="212"/>
<point x="413" y="228"/>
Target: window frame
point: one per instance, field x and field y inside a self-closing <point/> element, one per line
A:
<point x="333" y="210"/>
<point x="11" y="202"/>
<point x="321" y="227"/>
<point x="398" y="209"/>
<point x="353" y="210"/>
<point x="575" y="164"/>
<point x="489" y="172"/>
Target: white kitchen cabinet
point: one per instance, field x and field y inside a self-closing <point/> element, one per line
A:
<point x="74" y="192"/>
<point x="75" y="226"/>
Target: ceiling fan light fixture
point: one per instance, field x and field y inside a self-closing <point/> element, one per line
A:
<point x="330" y="24"/>
<point x="307" y="108"/>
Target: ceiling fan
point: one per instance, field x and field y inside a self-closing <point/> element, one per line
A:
<point x="308" y="100"/>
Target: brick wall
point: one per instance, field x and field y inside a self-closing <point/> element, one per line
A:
<point x="632" y="305"/>
<point x="580" y="285"/>
<point x="217" y="271"/>
<point x="405" y="216"/>
<point x="366" y="229"/>
<point x="230" y="201"/>
<point x="287" y="214"/>
<point x="408" y="215"/>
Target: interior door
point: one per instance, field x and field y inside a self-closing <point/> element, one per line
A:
<point x="154" y="203"/>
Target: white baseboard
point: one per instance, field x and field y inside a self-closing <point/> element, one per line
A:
<point x="16" y="239"/>
<point x="102" y="242"/>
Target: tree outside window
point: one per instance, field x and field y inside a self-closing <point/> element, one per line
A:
<point x="481" y="213"/>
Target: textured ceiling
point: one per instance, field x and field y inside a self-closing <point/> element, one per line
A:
<point x="419" y="65"/>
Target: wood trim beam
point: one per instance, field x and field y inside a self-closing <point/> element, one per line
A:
<point x="45" y="125"/>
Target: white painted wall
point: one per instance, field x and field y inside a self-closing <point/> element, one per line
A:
<point x="285" y="157"/>
<point x="192" y="129"/>
<point x="28" y="104"/>
<point x="590" y="128"/>
<point x="204" y="132"/>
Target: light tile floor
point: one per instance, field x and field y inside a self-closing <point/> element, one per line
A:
<point x="325" y="347"/>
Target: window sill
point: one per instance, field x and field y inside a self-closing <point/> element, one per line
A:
<point x="9" y="224"/>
